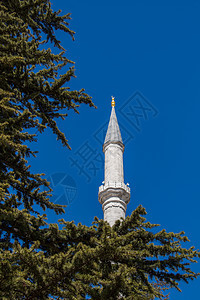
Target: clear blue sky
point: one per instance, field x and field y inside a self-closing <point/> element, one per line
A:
<point x="120" y="48"/>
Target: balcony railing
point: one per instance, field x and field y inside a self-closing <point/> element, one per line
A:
<point x="114" y="185"/>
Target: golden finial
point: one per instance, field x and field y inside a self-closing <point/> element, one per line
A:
<point x="113" y="101"/>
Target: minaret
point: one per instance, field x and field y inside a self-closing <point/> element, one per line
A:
<point x="114" y="194"/>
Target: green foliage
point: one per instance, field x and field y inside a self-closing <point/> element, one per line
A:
<point x="38" y="260"/>
<point x="128" y="261"/>
<point x="32" y="96"/>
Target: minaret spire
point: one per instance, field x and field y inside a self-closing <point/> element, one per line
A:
<point x="113" y="101"/>
<point x="114" y="194"/>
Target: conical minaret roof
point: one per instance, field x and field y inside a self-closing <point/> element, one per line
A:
<point x="113" y="132"/>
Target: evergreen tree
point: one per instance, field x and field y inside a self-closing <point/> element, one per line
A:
<point x="38" y="260"/>
<point x="128" y="261"/>
<point x="32" y="95"/>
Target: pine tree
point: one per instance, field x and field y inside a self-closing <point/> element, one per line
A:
<point x="38" y="260"/>
<point x="128" y="261"/>
<point x="32" y="95"/>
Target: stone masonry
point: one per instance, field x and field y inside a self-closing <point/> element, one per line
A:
<point x="114" y="194"/>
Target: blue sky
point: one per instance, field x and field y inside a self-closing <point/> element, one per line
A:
<point x="143" y="52"/>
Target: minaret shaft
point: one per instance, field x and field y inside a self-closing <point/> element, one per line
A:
<point x="114" y="194"/>
<point x="114" y="210"/>
<point x="114" y="163"/>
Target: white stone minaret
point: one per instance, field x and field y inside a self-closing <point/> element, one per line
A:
<point x="114" y="194"/>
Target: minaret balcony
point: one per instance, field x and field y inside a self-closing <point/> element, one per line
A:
<point x="113" y="189"/>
